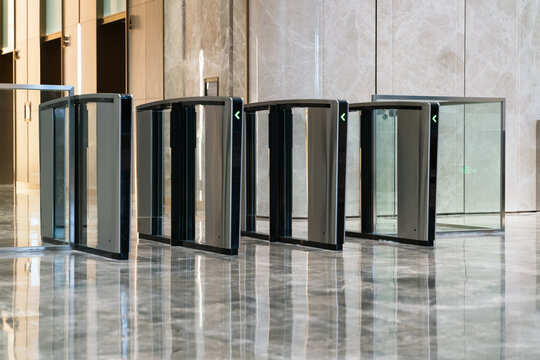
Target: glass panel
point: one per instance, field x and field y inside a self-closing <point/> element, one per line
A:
<point x="262" y="173"/>
<point x="200" y="174"/>
<point x="353" y="194"/>
<point x="53" y="16"/>
<point x="386" y="171"/>
<point x="482" y="158"/>
<point x="469" y="167"/>
<point x="299" y="173"/>
<point x="450" y="164"/>
<point x="8" y="25"/>
<point x="111" y="7"/>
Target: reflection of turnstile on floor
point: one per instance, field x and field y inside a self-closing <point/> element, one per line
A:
<point x="189" y="172"/>
<point x="294" y="182"/>
<point x="85" y="172"/>
<point x="412" y="190"/>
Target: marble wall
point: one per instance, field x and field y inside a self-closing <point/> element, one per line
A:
<point x="311" y="49"/>
<point x="203" y="39"/>
<point x="353" y="49"/>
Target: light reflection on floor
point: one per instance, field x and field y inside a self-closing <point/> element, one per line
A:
<point x="19" y="218"/>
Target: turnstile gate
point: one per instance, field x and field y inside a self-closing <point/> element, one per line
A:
<point x="471" y="162"/>
<point x="85" y="172"/>
<point x="398" y="142"/>
<point x="294" y="182"/>
<point x="189" y="166"/>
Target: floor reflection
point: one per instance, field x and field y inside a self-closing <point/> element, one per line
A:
<point x="473" y="297"/>
<point x="19" y="218"/>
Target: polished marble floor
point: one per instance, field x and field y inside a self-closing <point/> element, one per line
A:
<point x="19" y="218"/>
<point x="469" y="297"/>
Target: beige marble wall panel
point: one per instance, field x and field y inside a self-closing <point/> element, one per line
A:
<point x="285" y="50"/>
<point x="420" y="47"/>
<point x="204" y="38"/>
<point x="538" y="163"/>
<point x="528" y="100"/>
<point x="137" y="56"/>
<point x="194" y="60"/>
<point x="348" y="49"/>
<point x="207" y="45"/>
<point x="491" y="71"/>
<point x="174" y="48"/>
<point x="238" y="70"/>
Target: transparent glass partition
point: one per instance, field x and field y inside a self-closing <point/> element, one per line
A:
<point x="111" y="7"/>
<point x="53" y="16"/>
<point x="386" y="170"/>
<point x="8" y="25"/>
<point x="469" y="182"/>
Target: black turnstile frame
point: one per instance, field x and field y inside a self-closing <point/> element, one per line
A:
<point x="183" y="142"/>
<point x="280" y="170"/>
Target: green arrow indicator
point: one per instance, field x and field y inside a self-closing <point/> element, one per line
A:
<point x="237" y="115"/>
<point x="343" y="117"/>
<point x="434" y="118"/>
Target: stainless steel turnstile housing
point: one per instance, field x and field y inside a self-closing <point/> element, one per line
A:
<point x="205" y="135"/>
<point x="85" y="172"/>
<point x="324" y="134"/>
